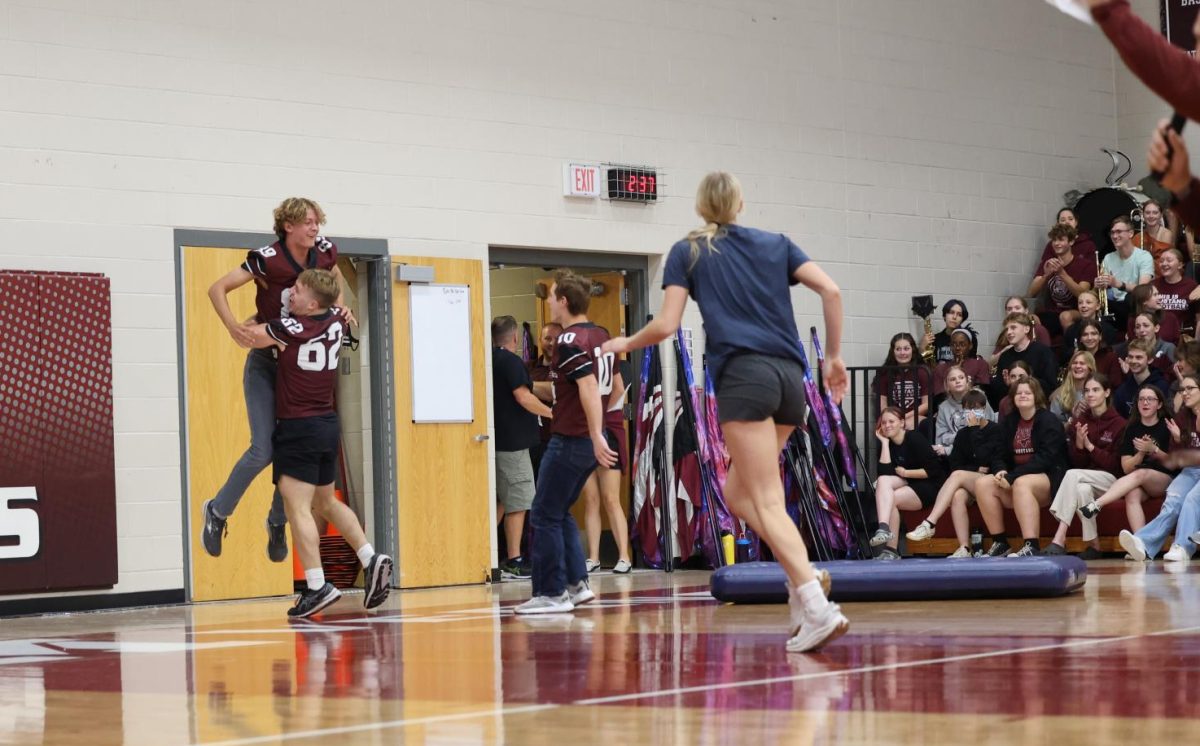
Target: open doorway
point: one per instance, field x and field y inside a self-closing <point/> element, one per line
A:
<point x="519" y="280"/>
<point x="216" y="430"/>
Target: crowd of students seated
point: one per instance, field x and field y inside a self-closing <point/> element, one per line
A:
<point x="1092" y="400"/>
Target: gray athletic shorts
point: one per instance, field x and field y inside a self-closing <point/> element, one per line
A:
<point x="514" y="480"/>
<point x="754" y="387"/>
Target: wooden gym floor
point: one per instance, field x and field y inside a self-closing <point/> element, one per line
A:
<point x="654" y="661"/>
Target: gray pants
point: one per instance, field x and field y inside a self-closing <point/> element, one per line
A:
<point x="258" y="385"/>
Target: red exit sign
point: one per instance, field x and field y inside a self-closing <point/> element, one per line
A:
<point x="581" y="180"/>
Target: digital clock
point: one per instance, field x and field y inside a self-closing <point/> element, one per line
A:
<point x="632" y="184"/>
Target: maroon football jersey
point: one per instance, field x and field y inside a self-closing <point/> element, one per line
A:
<point x="578" y="355"/>
<point x="308" y="365"/>
<point x="275" y="271"/>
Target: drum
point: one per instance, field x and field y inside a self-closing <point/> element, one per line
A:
<point x="1099" y="207"/>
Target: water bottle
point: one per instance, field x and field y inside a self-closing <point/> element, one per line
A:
<point x="743" y="549"/>
<point x="976" y="542"/>
<point x="727" y="547"/>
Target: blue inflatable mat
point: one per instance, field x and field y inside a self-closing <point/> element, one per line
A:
<point x="910" y="579"/>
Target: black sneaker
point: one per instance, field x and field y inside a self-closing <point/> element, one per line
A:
<point x="377" y="580"/>
<point x="516" y="567"/>
<point x="1089" y="554"/>
<point x="214" y="530"/>
<point x="277" y="541"/>
<point x="1091" y="510"/>
<point x="998" y="549"/>
<point x="1027" y="550"/>
<point x="1054" y="550"/>
<point x="313" y="602"/>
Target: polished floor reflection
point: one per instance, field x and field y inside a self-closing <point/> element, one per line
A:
<point x="656" y="660"/>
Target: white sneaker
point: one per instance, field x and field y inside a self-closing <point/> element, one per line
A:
<point x="796" y="606"/>
<point x="580" y="593"/>
<point x="880" y="537"/>
<point x="961" y="553"/>
<point x="1176" y="554"/>
<point x="1132" y="544"/>
<point x="819" y="629"/>
<point x="591" y="565"/>
<point x="622" y="567"/>
<point x="546" y="605"/>
<point x="923" y="532"/>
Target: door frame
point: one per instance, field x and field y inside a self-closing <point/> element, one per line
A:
<point x="635" y="267"/>
<point x="370" y="251"/>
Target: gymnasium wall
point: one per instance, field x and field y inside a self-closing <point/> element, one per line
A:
<point x="910" y="146"/>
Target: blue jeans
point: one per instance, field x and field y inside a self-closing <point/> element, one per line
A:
<point x="258" y="386"/>
<point x="1180" y="511"/>
<point x="557" y="554"/>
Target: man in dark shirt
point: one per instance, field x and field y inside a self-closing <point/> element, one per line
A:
<point x="1019" y="329"/>
<point x="516" y="410"/>
<point x="307" y="434"/>
<point x="583" y="379"/>
<point x="1137" y="359"/>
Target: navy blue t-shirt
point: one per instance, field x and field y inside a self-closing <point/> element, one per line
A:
<point x="743" y="291"/>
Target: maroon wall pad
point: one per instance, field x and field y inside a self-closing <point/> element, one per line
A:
<point x="56" y="429"/>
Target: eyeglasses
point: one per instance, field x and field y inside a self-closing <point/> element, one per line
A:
<point x="1147" y="400"/>
<point x="1189" y="389"/>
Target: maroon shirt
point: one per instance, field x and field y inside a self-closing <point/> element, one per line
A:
<point x="578" y="355"/>
<point x="275" y="271"/>
<point x="1083" y="246"/>
<point x="1189" y="438"/>
<point x="1022" y="444"/>
<point x="1173" y="300"/>
<point x="976" y="369"/>
<point x="904" y="388"/>
<point x="308" y="365"/>
<point x="1105" y="434"/>
<point x="1081" y="269"/>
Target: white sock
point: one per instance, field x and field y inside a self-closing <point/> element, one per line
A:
<point x="315" y="578"/>
<point x="365" y="553"/>
<point x="812" y="596"/>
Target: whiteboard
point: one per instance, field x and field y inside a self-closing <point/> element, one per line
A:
<point x="441" y="353"/>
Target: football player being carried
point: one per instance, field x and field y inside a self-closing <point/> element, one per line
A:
<point x="307" y="434"/>
<point x="273" y="269"/>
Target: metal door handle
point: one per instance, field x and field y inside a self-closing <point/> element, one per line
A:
<point x="482" y="438"/>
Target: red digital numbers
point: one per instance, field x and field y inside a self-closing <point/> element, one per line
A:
<point x="640" y="185"/>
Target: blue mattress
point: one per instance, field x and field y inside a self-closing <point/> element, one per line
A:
<point x="910" y="579"/>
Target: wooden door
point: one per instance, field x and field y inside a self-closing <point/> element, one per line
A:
<point x="217" y="434"/>
<point x="442" y="480"/>
<point x="607" y="310"/>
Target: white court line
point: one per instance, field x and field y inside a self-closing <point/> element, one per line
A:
<point x="522" y="709"/>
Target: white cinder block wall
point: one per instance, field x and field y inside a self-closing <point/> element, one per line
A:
<point x="912" y="146"/>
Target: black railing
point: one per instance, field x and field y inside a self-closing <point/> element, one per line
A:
<point x="903" y="386"/>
